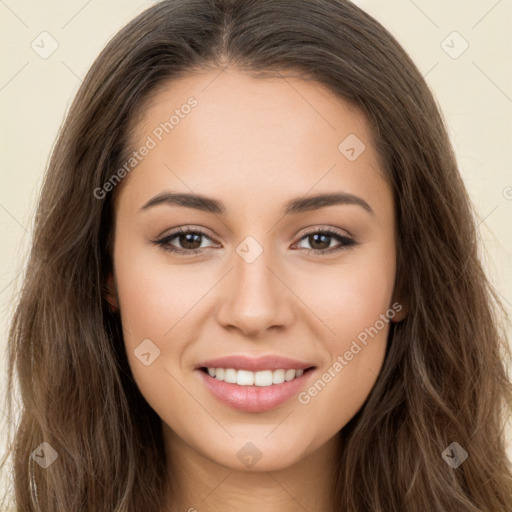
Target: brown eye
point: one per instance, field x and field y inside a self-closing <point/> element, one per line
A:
<point x="320" y="241"/>
<point x="189" y="240"/>
<point x="186" y="241"/>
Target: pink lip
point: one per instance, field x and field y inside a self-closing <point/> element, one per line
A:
<point x="254" y="398"/>
<point x="255" y="364"/>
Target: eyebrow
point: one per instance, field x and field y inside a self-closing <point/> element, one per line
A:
<point x="294" y="206"/>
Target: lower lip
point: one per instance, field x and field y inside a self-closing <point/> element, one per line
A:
<point x="254" y="398"/>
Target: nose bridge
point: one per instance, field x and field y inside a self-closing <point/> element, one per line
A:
<point x="256" y="298"/>
<point x="254" y="283"/>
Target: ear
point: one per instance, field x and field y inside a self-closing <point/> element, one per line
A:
<point x="111" y="293"/>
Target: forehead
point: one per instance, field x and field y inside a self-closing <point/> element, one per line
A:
<point x="246" y="136"/>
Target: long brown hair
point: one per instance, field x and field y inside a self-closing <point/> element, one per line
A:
<point x="444" y="378"/>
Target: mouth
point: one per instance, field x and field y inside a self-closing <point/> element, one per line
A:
<point x="254" y="385"/>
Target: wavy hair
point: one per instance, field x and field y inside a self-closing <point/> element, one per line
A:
<point x="444" y="377"/>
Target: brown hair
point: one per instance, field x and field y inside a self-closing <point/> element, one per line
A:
<point x="443" y="378"/>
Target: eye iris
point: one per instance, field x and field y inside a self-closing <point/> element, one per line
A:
<point x="315" y="240"/>
<point x="188" y="239"/>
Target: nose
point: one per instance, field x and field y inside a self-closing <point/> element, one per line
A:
<point x="256" y="298"/>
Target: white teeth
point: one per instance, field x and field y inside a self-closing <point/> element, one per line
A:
<point x="244" y="378"/>
<point x="262" y="378"/>
<point x="278" y="376"/>
<point x="230" y="375"/>
<point x="289" y="375"/>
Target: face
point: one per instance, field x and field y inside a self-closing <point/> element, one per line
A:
<point x="255" y="316"/>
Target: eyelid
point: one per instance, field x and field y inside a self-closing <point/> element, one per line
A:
<point x="334" y="231"/>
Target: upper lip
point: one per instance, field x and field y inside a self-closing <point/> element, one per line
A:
<point x="255" y="364"/>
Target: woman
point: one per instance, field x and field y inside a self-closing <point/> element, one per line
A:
<point x="250" y="370"/>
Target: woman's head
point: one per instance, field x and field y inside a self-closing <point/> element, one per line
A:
<point x="261" y="279"/>
<point x="257" y="105"/>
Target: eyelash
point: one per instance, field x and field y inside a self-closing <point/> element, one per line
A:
<point x="346" y="242"/>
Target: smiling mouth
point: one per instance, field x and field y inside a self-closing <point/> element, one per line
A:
<point x="263" y="378"/>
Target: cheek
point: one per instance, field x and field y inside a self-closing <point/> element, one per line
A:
<point x="351" y="296"/>
<point x="355" y="302"/>
<point x="154" y="300"/>
<point x="154" y="296"/>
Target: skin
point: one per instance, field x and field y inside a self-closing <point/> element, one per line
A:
<point x="254" y="144"/>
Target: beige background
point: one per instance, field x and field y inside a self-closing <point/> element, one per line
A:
<point x="473" y="89"/>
